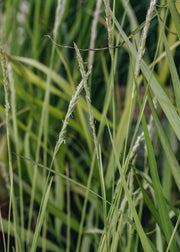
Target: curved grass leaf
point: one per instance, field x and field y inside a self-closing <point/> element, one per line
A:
<point x="62" y="83"/>
<point x="161" y="96"/>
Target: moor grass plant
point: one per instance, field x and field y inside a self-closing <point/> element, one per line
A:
<point x="89" y="125"/>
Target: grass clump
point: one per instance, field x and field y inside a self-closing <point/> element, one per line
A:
<point x="89" y="129"/>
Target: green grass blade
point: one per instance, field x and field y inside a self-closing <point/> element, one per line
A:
<point x="171" y="159"/>
<point x="61" y="82"/>
<point x="41" y="217"/>
<point x="49" y="245"/>
<point x="162" y="98"/>
<point x="173" y="234"/>
<point x="63" y="176"/>
<point x="144" y="240"/>
<point x="148" y="201"/>
<point x="173" y="70"/>
<point x="17" y="147"/>
<point x="175" y="15"/>
<point x="103" y="190"/>
<point x="160" y="200"/>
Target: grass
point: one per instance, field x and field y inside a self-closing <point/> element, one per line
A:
<point x="89" y="140"/>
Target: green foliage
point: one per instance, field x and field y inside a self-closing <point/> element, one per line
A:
<point x="89" y="147"/>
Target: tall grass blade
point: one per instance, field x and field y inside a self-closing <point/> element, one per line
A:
<point x="160" y="200"/>
<point x="144" y="240"/>
<point x="162" y="98"/>
<point x="41" y="217"/>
